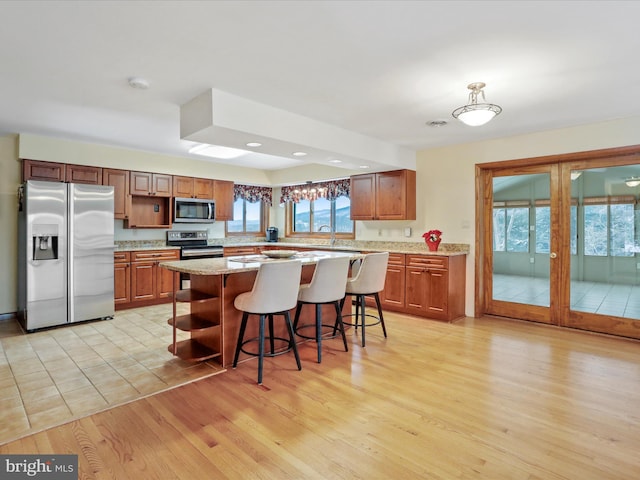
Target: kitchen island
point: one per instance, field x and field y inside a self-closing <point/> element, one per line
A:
<point x="213" y="321"/>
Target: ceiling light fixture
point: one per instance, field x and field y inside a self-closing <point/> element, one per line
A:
<point x="254" y="144"/>
<point x="217" y="151"/>
<point x="475" y="114"/>
<point x="299" y="154"/>
<point x="138" y="82"/>
<point x="632" y="182"/>
<point x="309" y="192"/>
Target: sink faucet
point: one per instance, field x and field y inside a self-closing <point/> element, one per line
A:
<point x="332" y="241"/>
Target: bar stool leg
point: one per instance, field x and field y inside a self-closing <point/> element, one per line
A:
<point x="260" y="349"/>
<point x="335" y="327"/>
<point x="340" y="324"/>
<point x="292" y="339"/>
<point x="243" y="327"/>
<point x="272" y="342"/>
<point x="384" y="330"/>
<point x="319" y="331"/>
<point x="297" y="317"/>
<point x="362" y="310"/>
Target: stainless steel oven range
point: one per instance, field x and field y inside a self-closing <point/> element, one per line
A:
<point x="193" y="244"/>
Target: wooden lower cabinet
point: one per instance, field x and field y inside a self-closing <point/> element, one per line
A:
<point x="430" y="286"/>
<point x="149" y="284"/>
<point x="393" y="294"/>
<point x="122" y="277"/>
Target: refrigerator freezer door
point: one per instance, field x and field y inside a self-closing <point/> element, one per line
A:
<point x="46" y="268"/>
<point x="91" y="230"/>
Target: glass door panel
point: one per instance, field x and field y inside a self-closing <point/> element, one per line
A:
<point x="605" y="262"/>
<point x="521" y="236"/>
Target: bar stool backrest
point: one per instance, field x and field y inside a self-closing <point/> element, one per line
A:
<point x="275" y="288"/>
<point x="371" y="275"/>
<point x="329" y="281"/>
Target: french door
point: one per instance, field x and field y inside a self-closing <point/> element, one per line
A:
<point x="558" y="240"/>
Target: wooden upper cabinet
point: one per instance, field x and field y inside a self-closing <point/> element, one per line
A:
<point x="182" y="187"/>
<point x="84" y="174"/>
<point x="119" y="180"/>
<point x="396" y="195"/>
<point x="384" y="196"/>
<point x="190" y="187"/>
<point x="145" y="183"/>
<point x="363" y="197"/>
<point x="47" y="171"/>
<point x="223" y="195"/>
<point x="203" y="188"/>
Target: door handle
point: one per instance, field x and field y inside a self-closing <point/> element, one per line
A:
<point x="553" y="255"/>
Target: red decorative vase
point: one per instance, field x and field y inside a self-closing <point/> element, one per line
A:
<point x="433" y="245"/>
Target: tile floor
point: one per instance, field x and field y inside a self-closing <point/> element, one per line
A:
<point x="52" y="376"/>
<point x="592" y="297"/>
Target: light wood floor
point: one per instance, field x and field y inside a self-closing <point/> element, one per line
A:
<point x="477" y="399"/>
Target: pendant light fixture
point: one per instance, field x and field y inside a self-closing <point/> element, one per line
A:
<point x="632" y="182"/>
<point x="475" y="114"/>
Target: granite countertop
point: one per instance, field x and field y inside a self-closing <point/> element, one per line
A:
<point x="244" y="263"/>
<point x="446" y="250"/>
<point x="140" y="245"/>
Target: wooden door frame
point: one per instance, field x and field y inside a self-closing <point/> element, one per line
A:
<point x="483" y="243"/>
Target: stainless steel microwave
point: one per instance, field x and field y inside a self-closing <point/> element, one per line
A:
<point x="194" y="210"/>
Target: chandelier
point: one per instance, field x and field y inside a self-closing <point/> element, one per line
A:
<point x="309" y="192"/>
<point x="475" y="114"/>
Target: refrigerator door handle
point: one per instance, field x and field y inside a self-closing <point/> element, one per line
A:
<point x="71" y="249"/>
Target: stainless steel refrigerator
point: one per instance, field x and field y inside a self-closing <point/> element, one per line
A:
<point x="65" y="253"/>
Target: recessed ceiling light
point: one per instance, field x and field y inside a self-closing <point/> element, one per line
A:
<point x="335" y="160"/>
<point x="299" y="154"/>
<point x="138" y="82"/>
<point x="254" y="144"/>
<point x="216" y="151"/>
<point x="364" y="166"/>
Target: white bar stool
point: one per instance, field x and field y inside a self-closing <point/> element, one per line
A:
<point x="368" y="281"/>
<point x="274" y="292"/>
<point x="327" y="286"/>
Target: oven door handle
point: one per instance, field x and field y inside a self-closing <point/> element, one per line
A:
<point x="202" y="253"/>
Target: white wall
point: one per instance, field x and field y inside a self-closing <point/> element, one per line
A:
<point x="9" y="181"/>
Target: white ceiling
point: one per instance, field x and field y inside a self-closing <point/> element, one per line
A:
<point x="375" y="68"/>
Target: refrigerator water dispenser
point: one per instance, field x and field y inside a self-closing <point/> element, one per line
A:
<point x="45" y="242"/>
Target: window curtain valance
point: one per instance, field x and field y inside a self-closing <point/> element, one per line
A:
<point x="253" y="194"/>
<point x="329" y="190"/>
